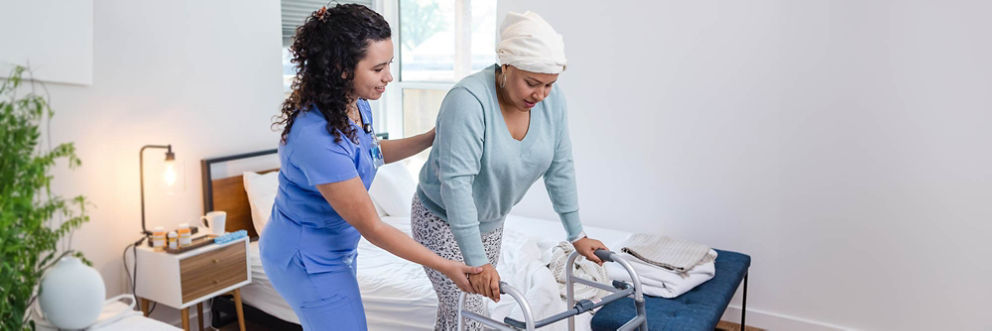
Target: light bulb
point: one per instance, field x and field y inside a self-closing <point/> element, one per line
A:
<point x="169" y="175"/>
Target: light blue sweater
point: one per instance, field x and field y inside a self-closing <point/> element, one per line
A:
<point x="477" y="172"/>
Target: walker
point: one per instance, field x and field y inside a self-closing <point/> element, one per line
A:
<point x="620" y="290"/>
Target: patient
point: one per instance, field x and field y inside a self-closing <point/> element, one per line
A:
<point x="498" y="131"/>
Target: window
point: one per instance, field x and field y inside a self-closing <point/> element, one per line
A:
<point x="443" y="41"/>
<point x="438" y="42"/>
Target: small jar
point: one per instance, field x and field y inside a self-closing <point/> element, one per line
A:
<point x="185" y="235"/>
<point x="158" y="237"/>
<point x="173" y="240"/>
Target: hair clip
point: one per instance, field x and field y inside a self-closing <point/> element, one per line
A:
<point x="320" y="13"/>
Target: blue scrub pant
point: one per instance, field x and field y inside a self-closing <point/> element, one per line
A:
<point x="322" y="301"/>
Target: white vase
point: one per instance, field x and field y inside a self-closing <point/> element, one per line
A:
<point x="72" y="294"/>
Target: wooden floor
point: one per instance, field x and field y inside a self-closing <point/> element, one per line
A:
<point x="723" y="326"/>
<point x="249" y="326"/>
<point x="729" y="326"/>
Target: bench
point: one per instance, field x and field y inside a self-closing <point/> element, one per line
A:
<point x="698" y="309"/>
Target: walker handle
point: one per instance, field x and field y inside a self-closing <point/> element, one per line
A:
<point x="605" y="255"/>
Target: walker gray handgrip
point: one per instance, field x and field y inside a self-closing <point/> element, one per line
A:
<point x="605" y="255"/>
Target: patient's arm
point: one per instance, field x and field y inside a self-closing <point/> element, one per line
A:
<point x="397" y="149"/>
<point x="352" y="202"/>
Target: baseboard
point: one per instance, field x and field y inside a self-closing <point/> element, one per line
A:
<point x="775" y="321"/>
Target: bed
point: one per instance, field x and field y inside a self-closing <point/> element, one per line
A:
<point x="398" y="296"/>
<point x="396" y="293"/>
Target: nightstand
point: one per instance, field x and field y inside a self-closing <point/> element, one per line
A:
<point x="189" y="278"/>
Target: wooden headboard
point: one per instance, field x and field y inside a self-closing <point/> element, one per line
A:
<point x="228" y="193"/>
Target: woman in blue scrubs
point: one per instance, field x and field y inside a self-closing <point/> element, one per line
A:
<point x="329" y="155"/>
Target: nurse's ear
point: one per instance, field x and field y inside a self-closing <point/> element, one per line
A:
<point x="346" y="73"/>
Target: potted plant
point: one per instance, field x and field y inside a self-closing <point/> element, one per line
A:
<point x="29" y="212"/>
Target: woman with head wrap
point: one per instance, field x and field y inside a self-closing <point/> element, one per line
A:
<point x="498" y="131"/>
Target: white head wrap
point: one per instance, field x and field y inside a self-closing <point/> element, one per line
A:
<point x="528" y="42"/>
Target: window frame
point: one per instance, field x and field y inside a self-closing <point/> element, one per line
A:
<point x="390" y="115"/>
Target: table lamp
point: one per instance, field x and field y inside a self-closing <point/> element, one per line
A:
<point x="168" y="176"/>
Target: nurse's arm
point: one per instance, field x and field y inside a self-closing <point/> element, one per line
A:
<point x="397" y="149"/>
<point x="350" y="200"/>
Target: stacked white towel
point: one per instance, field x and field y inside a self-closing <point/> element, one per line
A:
<point x="662" y="251"/>
<point x="666" y="267"/>
<point x="664" y="283"/>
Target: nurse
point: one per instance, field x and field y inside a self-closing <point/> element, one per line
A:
<point x="329" y="155"/>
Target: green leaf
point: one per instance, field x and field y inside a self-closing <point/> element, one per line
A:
<point x="29" y="236"/>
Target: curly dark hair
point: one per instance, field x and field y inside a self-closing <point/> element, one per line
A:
<point x="330" y="43"/>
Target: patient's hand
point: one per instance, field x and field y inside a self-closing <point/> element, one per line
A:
<point x="486" y="282"/>
<point x="459" y="273"/>
<point x="587" y="247"/>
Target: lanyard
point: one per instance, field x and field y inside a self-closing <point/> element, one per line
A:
<point x="375" y="152"/>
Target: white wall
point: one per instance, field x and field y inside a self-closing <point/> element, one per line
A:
<point x="65" y="56"/>
<point x="844" y="145"/>
<point x="204" y="76"/>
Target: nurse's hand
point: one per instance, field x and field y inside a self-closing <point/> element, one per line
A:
<point x="587" y="247"/>
<point x="458" y="272"/>
<point x="486" y="282"/>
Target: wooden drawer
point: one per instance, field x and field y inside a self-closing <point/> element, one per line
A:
<point x="212" y="271"/>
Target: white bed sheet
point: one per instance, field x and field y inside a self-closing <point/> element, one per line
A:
<point x="397" y="295"/>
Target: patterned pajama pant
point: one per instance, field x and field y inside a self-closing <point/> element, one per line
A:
<point x="435" y="234"/>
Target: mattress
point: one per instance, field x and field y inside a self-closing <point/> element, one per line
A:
<point x="397" y="295"/>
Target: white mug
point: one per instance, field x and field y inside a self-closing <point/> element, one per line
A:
<point x="215" y="221"/>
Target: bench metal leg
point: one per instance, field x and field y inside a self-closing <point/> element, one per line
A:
<point x="744" y="304"/>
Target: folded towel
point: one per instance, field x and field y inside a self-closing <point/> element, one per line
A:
<point x="582" y="268"/>
<point x="230" y="236"/>
<point x="662" y="282"/>
<point x="675" y="254"/>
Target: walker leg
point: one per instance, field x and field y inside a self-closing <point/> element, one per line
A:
<point x="642" y="311"/>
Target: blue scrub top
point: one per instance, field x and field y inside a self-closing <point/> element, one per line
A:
<point x="302" y="222"/>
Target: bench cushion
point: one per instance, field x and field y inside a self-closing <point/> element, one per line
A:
<point x="698" y="309"/>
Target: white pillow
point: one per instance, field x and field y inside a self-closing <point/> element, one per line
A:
<point x="393" y="189"/>
<point x="261" y="191"/>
